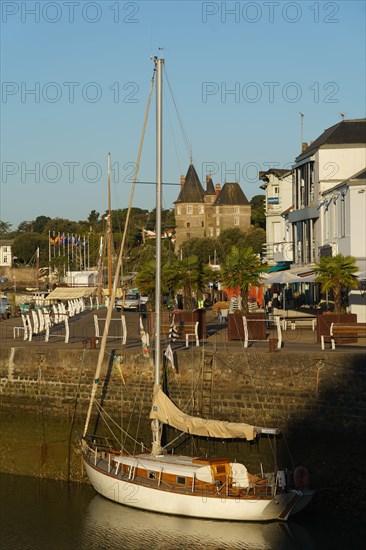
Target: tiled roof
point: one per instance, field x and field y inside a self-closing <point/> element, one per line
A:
<point x="278" y="172"/>
<point x="231" y="193"/>
<point x="346" y="131"/>
<point x="192" y="190"/>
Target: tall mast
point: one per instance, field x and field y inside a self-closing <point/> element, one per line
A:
<point x="37" y="268"/>
<point x="109" y="230"/>
<point x="156" y="427"/>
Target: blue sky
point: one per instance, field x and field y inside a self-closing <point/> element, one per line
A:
<point x="241" y="72"/>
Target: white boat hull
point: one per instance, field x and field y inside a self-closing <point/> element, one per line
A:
<point x="154" y="499"/>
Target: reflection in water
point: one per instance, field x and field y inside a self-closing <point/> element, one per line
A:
<point x="116" y="526"/>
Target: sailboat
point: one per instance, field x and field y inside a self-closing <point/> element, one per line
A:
<point x="196" y="487"/>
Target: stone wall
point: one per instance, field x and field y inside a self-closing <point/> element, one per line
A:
<point x="317" y="399"/>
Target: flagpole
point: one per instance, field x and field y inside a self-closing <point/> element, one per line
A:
<point x="49" y="258"/>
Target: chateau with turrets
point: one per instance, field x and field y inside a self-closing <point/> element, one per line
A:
<point x="206" y="213"/>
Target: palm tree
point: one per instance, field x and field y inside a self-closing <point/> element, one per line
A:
<point x="242" y="268"/>
<point x="336" y="273"/>
<point x="193" y="275"/>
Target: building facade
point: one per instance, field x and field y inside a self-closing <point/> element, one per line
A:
<point x="6" y="258"/>
<point x="277" y="184"/>
<point x="206" y="213"/>
<point x="335" y="156"/>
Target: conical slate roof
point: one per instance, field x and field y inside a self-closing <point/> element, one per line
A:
<point x="192" y="190"/>
<point x="210" y="189"/>
<point x="231" y="194"/>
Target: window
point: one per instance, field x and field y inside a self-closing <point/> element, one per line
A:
<point x="5" y="249"/>
<point x="275" y="189"/>
<point x="202" y="209"/>
<point x="178" y="210"/>
<point x="236" y="209"/>
<point x="202" y="224"/>
<point x="217" y="221"/>
<point x="189" y="209"/>
<point x="236" y="220"/>
<point x="217" y="232"/>
<point x="211" y="231"/>
<point x="151" y="475"/>
<point x="188" y="235"/>
<point x="181" y="480"/>
<point x="5" y="259"/>
<point x="188" y="224"/>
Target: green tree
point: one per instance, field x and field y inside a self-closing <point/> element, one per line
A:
<point x="4" y="227"/>
<point x="258" y="213"/>
<point x="203" y="247"/>
<point x="26" y="244"/>
<point x="242" y="268"/>
<point x="255" y="238"/>
<point x="40" y="223"/>
<point x="336" y="273"/>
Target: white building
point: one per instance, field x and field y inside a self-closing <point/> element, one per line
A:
<point x="338" y="154"/>
<point x="5" y="253"/>
<point x="343" y="221"/>
<point x="277" y="184"/>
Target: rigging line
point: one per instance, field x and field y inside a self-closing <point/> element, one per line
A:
<point x="154" y="183"/>
<point x="103" y="413"/>
<point x="184" y="133"/>
<point x="118" y="267"/>
<point x="173" y="137"/>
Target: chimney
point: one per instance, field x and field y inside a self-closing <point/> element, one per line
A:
<point x="208" y="177"/>
<point x="182" y="181"/>
<point x="218" y="189"/>
<point x="304" y="146"/>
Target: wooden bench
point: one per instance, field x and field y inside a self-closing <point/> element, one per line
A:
<point x="247" y="336"/>
<point x="185" y="331"/>
<point x="344" y="330"/>
<point x="191" y="329"/>
<point x="298" y="322"/>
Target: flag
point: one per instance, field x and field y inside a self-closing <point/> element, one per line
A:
<point x="170" y="355"/>
<point x="173" y="331"/>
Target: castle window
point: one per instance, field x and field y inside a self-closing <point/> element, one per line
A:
<point x="217" y="221"/>
<point x="178" y="210"/>
<point x="202" y="209"/>
<point x="236" y="220"/>
<point x="236" y="209"/>
<point x="188" y="235"/>
<point x="188" y="224"/>
<point x="217" y="232"/>
<point x="189" y="209"/>
<point x="210" y="230"/>
<point x="202" y="224"/>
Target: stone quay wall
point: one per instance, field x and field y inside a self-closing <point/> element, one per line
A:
<point x="317" y="399"/>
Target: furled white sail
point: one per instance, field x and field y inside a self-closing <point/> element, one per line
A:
<point x="164" y="410"/>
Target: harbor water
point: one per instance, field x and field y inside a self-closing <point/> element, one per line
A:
<point x="41" y="514"/>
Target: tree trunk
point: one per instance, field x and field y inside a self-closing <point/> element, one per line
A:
<point x="244" y="300"/>
<point x="337" y="299"/>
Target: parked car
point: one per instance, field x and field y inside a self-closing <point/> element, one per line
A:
<point x="132" y="301"/>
